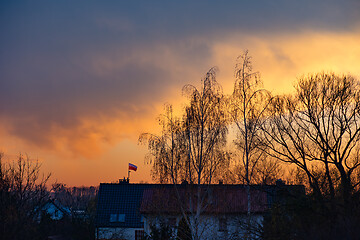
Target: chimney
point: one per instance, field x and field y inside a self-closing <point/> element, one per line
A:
<point x="124" y="181"/>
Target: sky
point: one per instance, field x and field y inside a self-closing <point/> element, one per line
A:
<point x="81" y="80"/>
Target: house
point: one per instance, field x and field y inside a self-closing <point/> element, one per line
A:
<point x="55" y="210"/>
<point x="128" y="211"/>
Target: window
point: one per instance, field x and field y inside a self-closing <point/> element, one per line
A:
<point x="117" y="217"/>
<point x="113" y="217"/>
<point x="121" y="217"/>
<point x="222" y="224"/>
<point x="139" y="234"/>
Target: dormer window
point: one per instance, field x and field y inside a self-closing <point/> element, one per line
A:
<point x="114" y="217"/>
<point x="121" y="217"/>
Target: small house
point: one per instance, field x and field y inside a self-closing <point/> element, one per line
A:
<point x="54" y="209"/>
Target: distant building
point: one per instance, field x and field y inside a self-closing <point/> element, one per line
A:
<point x="127" y="211"/>
<point x="55" y="210"/>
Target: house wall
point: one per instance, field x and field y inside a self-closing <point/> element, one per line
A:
<point x="209" y="227"/>
<point x="54" y="212"/>
<point x="116" y="233"/>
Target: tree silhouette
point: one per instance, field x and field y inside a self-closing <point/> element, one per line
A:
<point x="318" y="130"/>
<point x="22" y="193"/>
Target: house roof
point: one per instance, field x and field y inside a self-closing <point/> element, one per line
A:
<point x="59" y="206"/>
<point x="215" y="199"/>
<point x="120" y="198"/>
<point x="56" y="204"/>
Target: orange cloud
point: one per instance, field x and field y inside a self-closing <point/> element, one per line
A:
<point x="280" y="59"/>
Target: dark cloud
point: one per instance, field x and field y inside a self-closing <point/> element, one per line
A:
<point x="63" y="61"/>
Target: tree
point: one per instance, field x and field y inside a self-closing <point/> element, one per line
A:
<point x="206" y="129"/>
<point x="22" y="192"/>
<point x="244" y="112"/>
<point x="318" y="130"/>
<point x="167" y="151"/>
<point x="247" y="106"/>
<point x="192" y="149"/>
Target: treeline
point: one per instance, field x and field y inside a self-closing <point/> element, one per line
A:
<point x="26" y="204"/>
<point x="76" y="198"/>
<point x="309" y="137"/>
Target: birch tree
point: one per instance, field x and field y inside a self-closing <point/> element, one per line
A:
<point x="193" y="149"/>
<point x="247" y="106"/>
<point x="206" y="128"/>
<point x="167" y="151"/>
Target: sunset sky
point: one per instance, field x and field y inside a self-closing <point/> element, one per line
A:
<point x="80" y="80"/>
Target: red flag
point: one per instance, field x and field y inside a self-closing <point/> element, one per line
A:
<point x="132" y="167"/>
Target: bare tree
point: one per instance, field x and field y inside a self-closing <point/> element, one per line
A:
<point x="247" y="106"/>
<point x="23" y="191"/>
<point x="167" y="151"/>
<point x="206" y="128"/>
<point x="318" y="130"/>
<point x="192" y="149"/>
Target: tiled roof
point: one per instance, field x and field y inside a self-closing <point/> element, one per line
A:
<point x="217" y="199"/>
<point x="120" y="199"/>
